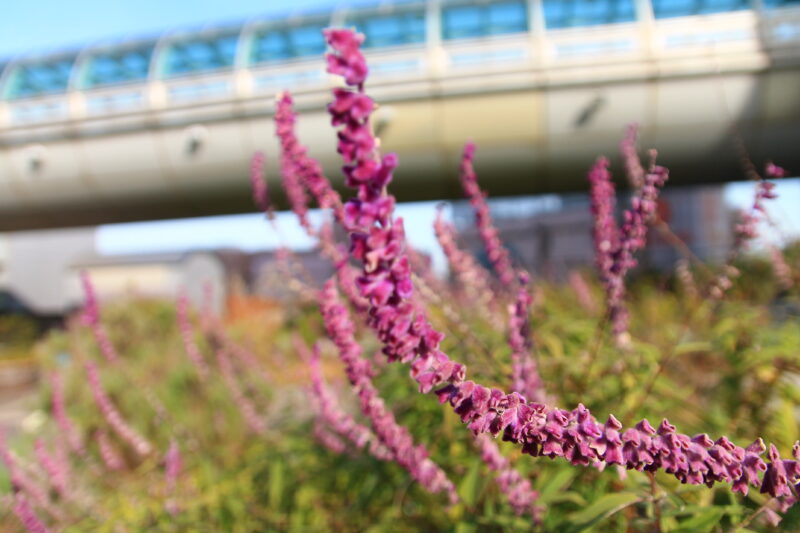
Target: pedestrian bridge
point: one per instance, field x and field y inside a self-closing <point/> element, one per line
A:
<point x="164" y="127"/>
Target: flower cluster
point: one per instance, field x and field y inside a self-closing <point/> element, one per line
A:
<point x="472" y="276"/>
<point x="394" y="437"/>
<point x="259" y="186"/>
<point x="54" y="465"/>
<point x="634" y="170"/>
<point x="112" y="415"/>
<point x="25" y="513"/>
<point x="291" y="152"/>
<point x="306" y="168"/>
<point x="517" y="489"/>
<point x="68" y="429"/>
<point x="339" y="421"/>
<point x="747" y="228"/>
<point x="377" y="241"/>
<point x="495" y="251"/>
<point x="22" y="485"/>
<point x="108" y="454"/>
<point x="309" y="175"/>
<point x="187" y="336"/>
<point x="614" y="245"/>
<point x="248" y="410"/>
<point x="91" y="317"/>
<point x="525" y="374"/>
<point x="172" y="464"/>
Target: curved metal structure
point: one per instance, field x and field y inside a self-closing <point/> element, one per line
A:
<point x="165" y="127"/>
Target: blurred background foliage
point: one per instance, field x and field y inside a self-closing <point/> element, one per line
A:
<point x="722" y="368"/>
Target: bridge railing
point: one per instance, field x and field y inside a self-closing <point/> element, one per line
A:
<point x="694" y="37"/>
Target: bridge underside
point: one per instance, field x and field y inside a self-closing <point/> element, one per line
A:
<point x="707" y="128"/>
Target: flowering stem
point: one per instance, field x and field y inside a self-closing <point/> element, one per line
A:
<point x="377" y="240"/>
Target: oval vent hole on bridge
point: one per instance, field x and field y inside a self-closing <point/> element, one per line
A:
<point x="195" y="137"/>
<point x="589" y="111"/>
<point x="35" y="156"/>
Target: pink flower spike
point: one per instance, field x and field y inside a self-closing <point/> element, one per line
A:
<point x="497" y="253"/>
<point x="27" y="516"/>
<point x="539" y="429"/>
<point x="68" y="429"/>
<point x="91" y="317"/>
<point x="187" y="336"/>
<point x="259" y="184"/>
<point x="112" y="415"/>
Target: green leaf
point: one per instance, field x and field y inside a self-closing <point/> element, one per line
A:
<point x="463" y="527"/>
<point x="602" y="508"/>
<point x="703" y="521"/>
<point x="469" y="488"/>
<point x="556" y="484"/>
<point x="276" y="472"/>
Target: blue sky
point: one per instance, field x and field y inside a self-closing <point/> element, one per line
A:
<point x="49" y="25"/>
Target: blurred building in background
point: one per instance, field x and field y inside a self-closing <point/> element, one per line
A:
<point x="553" y="235"/>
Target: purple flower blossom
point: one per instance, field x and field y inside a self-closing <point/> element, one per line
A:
<point x="247" y="409"/>
<point x="112" y="415"/>
<point x="614" y="245"/>
<point x="377" y="241"/>
<point x="108" y="454"/>
<point x="630" y="157"/>
<point x="27" y="516"/>
<point x="394" y="437"/>
<point x="21" y="483"/>
<point x="525" y="374"/>
<point x="68" y="430"/>
<point x="472" y="276"/>
<point x="746" y="230"/>
<point x="307" y="169"/>
<point x="55" y="467"/>
<point x="339" y="421"/>
<point x="328" y="439"/>
<point x="347" y="60"/>
<point x="291" y="151"/>
<point x="497" y="253"/>
<point x="259" y="185"/>
<point x="91" y="317"/>
<point x="517" y="489"/>
<point x="173" y="463"/>
<point x="187" y="336"/>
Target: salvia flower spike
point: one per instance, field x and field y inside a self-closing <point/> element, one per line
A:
<point x="525" y="372"/>
<point x="91" y="317"/>
<point x="339" y="421"/>
<point x="394" y="437"/>
<point x="112" y="415"/>
<point x="497" y="253"/>
<point x="187" y="336"/>
<point x="65" y="424"/>
<point x="517" y="489"/>
<point x="27" y="516"/>
<point x="258" y="185"/>
<point x="377" y="242"/>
